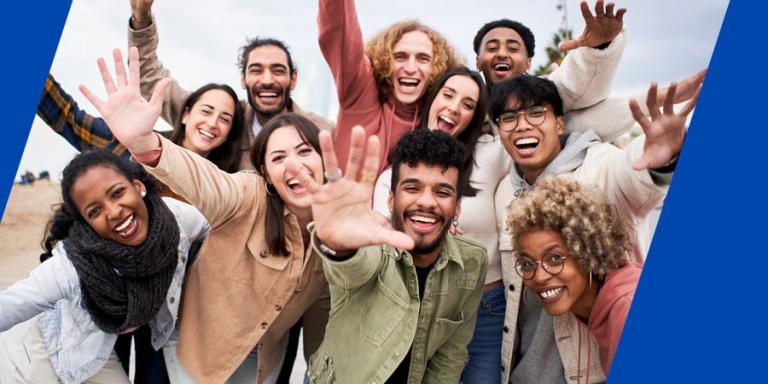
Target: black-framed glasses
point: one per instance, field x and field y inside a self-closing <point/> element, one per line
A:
<point x="535" y="115"/>
<point x="552" y="264"/>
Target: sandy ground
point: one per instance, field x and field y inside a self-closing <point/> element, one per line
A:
<point x="23" y="227"/>
<point x="21" y="232"/>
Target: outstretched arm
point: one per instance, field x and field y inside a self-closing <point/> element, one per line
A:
<point x="83" y="131"/>
<point x="142" y="33"/>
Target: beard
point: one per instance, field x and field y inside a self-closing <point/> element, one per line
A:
<point x="422" y="245"/>
<point x="270" y="111"/>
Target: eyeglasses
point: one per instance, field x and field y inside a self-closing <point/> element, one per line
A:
<point x="552" y="264"/>
<point x="534" y="115"/>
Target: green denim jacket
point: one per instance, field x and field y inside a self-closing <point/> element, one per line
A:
<point x="376" y="315"/>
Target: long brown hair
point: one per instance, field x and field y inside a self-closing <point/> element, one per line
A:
<point x="275" y="227"/>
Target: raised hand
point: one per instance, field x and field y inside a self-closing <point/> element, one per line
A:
<point x="601" y="28"/>
<point x="664" y="132"/>
<point x="341" y="209"/>
<point x="686" y="89"/>
<point x="130" y="118"/>
<point x="141" y="13"/>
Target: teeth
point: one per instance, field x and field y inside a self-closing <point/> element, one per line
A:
<point x="125" y="224"/>
<point x="409" y="82"/>
<point x="207" y="134"/>
<point x="551" y="293"/>
<point x="423" y="219"/>
<point x="527" y="141"/>
<point x="501" y="67"/>
<point x="267" y="94"/>
<point x="446" y="120"/>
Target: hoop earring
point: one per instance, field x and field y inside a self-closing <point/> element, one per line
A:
<point x="266" y="188"/>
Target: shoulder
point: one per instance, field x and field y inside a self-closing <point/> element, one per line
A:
<point x="470" y="248"/>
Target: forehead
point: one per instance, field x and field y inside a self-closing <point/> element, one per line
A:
<point x="464" y="86"/>
<point x="94" y="182"/>
<point x="536" y="241"/>
<point x="284" y="138"/>
<point x="217" y="98"/>
<point x="502" y="35"/>
<point x="429" y="175"/>
<point x="414" y="41"/>
<point x="267" y="55"/>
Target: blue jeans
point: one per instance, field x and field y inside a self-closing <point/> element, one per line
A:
<point x="484" y="365"/>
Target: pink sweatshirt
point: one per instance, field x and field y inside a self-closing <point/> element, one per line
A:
<point x="611" y="308"/>
<point x="341" y="42"/>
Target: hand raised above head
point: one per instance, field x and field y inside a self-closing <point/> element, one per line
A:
<point x="130" y="118"/>
<point x="664" y="132"/>
<point x="341" y="208"/>
<point x="601" y="28"/>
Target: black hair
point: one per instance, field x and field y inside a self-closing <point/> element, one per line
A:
<point x="67" y="213"/>
<point x="474" y="130"/>
<point x="258" y="42"/>
<point x="275" y="227"/>
<point x="431" y="148"/>
<point x="529" y="91"/>
<point x="227" y="155"/>
<point x="522" y="30"/>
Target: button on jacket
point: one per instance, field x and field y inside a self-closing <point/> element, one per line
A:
<point x="376" y="315"/>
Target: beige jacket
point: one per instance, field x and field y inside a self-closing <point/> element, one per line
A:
<point x="237" y="295"/>
<point x="152" y="71"/>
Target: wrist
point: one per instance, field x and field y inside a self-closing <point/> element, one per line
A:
<point x="334" y="253"/>
<point x="145" y="144"/>
<point x="140" y="20"/>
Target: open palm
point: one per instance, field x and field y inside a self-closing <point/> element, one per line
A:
<point x="600" y="28"/>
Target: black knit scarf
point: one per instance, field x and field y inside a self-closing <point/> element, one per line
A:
<point x="124" y="287"/>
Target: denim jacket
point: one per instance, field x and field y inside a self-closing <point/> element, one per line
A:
<point x="376" y="316"/>
<point x="78" y="349"/>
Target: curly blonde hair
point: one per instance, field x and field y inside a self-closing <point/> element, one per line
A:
<point x="591" y="228"/>
<point x="379" y="51"/>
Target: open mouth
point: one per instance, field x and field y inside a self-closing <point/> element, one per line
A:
<point x="527" y="145"/>
<point x="206" y="134"/>
<point x="267" y="96"/>
<point x="502" y="69"/>
<point x="127" y="227"/>
<point x="445" y="124"/>
<point x="550" y="295"/>
<point x="409" y="84"/>
<point x="423" y="222"/>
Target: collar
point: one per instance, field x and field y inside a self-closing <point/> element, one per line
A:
<point x="449" y="253"/>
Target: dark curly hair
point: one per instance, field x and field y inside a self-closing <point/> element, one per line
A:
<point x="431" y="148"/>
<point x="522" y="30"/>
<point x="67" y="213"/>
<point x="258" y="42"/>
<point x="529" y="90"/>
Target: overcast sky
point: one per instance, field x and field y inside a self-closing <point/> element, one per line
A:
<point x="199" y="40"/>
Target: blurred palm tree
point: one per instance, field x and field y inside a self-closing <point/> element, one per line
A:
<point x="554" y="54"/>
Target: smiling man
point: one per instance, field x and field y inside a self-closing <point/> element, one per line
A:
<point x="398" y="316"/>
<point x="267" y="73"/>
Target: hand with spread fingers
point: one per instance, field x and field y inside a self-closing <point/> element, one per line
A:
<point x="341" y="208"/>
<point x="129" y="116"/>
<point x="686" y="88"/>
<point x="600" y="28"/>
<point x="664" y="132"/>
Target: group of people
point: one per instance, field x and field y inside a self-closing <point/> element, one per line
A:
<point x="450" y="226"/>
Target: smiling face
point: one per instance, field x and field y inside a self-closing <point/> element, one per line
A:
<point x="532" y="147"/>
<point x="561" y="293"/>
<point x="208" y="122"/>
<point x="268" y="80"/>
<point x="286" y="144"/>
<point x="423" y="206"/>
<point x="412" y="66"/>
<point x="502" y="55"/>
<point x="112" y="205"/>
<point x="454" y="105"/>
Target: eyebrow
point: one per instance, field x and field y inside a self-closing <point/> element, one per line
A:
<point x="212" y="107"/>
<point x="109" y="190"/>
<point x="303" y="143"/>
<point x="454" y="91"/>
<point x="417" y="181"/>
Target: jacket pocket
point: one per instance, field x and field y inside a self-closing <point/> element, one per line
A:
<point x="382" y="311"/>
<point x="443" y="330"/>
<point x="261" y="271"/>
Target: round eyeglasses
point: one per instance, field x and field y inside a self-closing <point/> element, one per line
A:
<point x="552" y="264"/>
<point x="535" y="116"/>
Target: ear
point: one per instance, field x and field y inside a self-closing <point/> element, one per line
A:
<point x="528" y="65"/>
<point x="560" y="125"/>
<point x="477" y="63"/>
<point x="265" y="175"/>
<point x="242" y="81"/>
<point x="185" y="117"/>
<point x="457" y="212"/>
<point x="139" y="186"/>
<point x="391" y="202"/>
<point x="294" y="77"/>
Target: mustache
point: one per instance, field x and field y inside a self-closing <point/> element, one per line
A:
<point x="270" y="87"/>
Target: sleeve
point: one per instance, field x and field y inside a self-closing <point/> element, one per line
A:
<point x="617" y="318"/>
<point x="217" y="194"/>
<point x="449" y="360"/>
<point x="83" y="131"/>
<point x="609" y="118"/>
<point x="586" y="74"/>
<point x="50" y="282"/>
<point x="381" y="193"/>
<point x="152" y="71"/>
<point x="353" y="272"/>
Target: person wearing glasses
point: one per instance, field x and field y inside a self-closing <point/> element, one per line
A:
<point x="529" y="114"/>
<point x="578" y="269"/>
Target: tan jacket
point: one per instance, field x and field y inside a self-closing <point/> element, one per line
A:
<point x="152" y="71"/>
<point x="237" y="295"/>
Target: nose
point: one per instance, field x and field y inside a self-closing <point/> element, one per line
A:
<point x="502" y="52"/>
<point x="453" y="107"/>
<point x="267" y="77"/>
<point x="114" y="211"/>
<point x="410" y="64"/>
<point x="540" y="276"/>
<point x="212" y="120"/>
<point x="426" y="199"/>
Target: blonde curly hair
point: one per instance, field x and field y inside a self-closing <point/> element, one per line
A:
<point x="589" y="224"/>
<point x="379" y="48"/>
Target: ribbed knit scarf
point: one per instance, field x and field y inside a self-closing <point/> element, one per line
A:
<point x="122" y="286"/>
